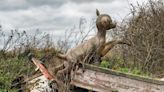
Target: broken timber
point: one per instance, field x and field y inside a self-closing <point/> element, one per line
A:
<point x="105" y="80"/>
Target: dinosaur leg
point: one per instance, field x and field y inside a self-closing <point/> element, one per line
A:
<point x="109" y="45"/>
<point x="61" y="74"/>
<point x="64" y="76"/>
<point x="60" y="67"/>
<point x="106" y="49"/>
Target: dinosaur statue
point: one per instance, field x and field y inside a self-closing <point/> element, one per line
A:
<point x="96" y="44"/>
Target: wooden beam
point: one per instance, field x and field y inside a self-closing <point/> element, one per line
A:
<point x="105" y="80"/>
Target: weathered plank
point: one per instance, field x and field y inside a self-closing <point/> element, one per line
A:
<point x="106" y="80"/>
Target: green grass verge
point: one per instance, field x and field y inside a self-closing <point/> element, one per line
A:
<point x="10" y="69"/>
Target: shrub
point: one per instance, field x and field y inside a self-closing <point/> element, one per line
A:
<point x="145" y="33"/>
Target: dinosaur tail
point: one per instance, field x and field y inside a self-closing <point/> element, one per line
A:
<point x="121" y="42"/>
<point x="62" y="56"/>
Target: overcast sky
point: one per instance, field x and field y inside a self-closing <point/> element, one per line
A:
<point x="55" y="16"/>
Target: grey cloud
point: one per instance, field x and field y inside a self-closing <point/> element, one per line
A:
<point x="54" y="3"/>
<point x="59" y="18"/>
<point x="10" y="5"/>
<point x="89" y="1"/>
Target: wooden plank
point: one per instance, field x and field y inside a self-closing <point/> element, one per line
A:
<point x="127" y="75"/>
<point x="105" y="80"/>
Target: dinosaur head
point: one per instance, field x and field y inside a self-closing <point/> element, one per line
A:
<point x="104" y="21"/>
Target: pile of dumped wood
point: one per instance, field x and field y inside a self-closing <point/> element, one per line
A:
<point x="96" y="79"/>
<point x="61" y="77"/>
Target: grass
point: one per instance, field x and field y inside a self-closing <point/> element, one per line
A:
<point x="104" y="64"/>
<point x="13" y="67"/>
<point x="10" y="69"/>
<point x="135" y="71"/>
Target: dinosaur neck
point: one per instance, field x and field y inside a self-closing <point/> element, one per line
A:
<point x="101" y="34"/>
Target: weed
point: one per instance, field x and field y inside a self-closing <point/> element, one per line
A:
<point x="104" y="64"/>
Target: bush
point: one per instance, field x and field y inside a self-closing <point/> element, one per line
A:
<point x="145" y="33"/>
